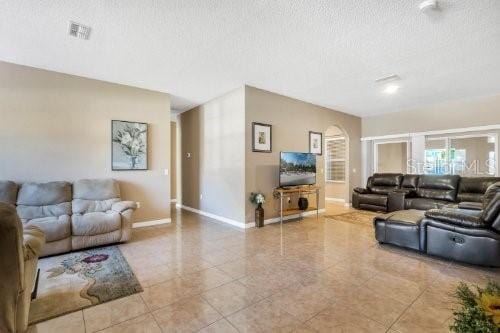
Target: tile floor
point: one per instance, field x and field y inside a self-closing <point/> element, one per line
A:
<point x="314" y="276"/>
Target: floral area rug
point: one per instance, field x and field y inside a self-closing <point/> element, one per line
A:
<point x="77" y="280"/>
<point x="359" y="217"/>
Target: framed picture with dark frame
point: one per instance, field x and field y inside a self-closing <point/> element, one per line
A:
<point x="316" y="143"/>
<point x="262" y="139"/>
<point x="129" y="145"/>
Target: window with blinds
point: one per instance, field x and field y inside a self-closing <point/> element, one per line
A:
<point x="335" y="159"/>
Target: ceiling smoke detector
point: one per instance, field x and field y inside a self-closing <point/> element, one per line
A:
<point x="428" y="5"/>
<point x="79" y="30"/>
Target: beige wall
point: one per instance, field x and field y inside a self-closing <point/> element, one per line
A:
<point x="58" y="127"/>
<point x="173" y="160"/>
<point x="292" y="120"/>
<point x="457" y="114"/>
<point x="214" y="135"/>
<point x="392" y="157"/>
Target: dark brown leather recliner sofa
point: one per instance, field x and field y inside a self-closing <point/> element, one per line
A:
<point x="375" y="195"/>
<point x="431" y="214"/>
<point x="471" y="236"/>
<point x="391" y="192"/>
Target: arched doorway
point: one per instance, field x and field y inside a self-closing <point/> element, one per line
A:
<point x="336" y="165"/>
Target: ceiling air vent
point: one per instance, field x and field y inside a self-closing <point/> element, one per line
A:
<point x="79" y="30"/>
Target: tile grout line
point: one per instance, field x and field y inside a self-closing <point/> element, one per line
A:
<point x="408" y="307"/>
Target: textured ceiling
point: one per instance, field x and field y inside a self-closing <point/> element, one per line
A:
<point x="326" y="52"/>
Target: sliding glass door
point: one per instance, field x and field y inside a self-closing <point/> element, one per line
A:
<point x="471" y="155"/>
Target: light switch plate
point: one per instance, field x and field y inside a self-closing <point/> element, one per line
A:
<point x="165" y="171"/>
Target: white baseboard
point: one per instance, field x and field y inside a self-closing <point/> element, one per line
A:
<point x="151" y="223"/>
<point x="334" y="200"/>
<point x="232" y="222"/>
<point x="248" y="225"/>
<point x="173" y="200"/>
<point x="290" y="217"/>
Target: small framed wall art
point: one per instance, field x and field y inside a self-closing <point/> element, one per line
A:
<point x="316" y="143"/>
<point x="262" y="138"/>
<point x="129" y="142"/>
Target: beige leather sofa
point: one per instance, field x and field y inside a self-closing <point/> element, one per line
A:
<point x="84" y="214"/>
<point x="19" y="250"/>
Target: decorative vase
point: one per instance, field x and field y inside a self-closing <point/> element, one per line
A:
<point x="259" y="216"/>
<point x="303" y="203"/>
<point x="133" y="161"/>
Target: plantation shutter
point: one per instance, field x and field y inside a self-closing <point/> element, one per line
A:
<point x="335" y="159"/>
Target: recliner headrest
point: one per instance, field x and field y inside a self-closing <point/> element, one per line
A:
<point x="387" y="179"/>
<point x="490" y="194"/>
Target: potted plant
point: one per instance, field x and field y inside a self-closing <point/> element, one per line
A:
<point x="258" y="199"/>
<point x="480" y="310"/>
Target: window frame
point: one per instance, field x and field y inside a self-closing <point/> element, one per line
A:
<point x="449" y="138"/>
<point x="382" y="142"/>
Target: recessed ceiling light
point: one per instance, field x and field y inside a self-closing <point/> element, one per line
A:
<point x="391" y="89"/>
<point x="389" y="83"/>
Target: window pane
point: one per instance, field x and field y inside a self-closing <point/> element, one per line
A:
<point x="335" y="159"/>
<point x="435" y="157"/>
<point x="392" y="157"/>
<point x="472" y="156"/>
<point x="335" y="149"/>
<point x="336" y="171"/>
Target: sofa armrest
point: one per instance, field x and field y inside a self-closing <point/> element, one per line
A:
<point x="33" y="242"/>
<point x="361" y="190"/>
<point x="122" y="206"/>
<point x="396" y="201"/>
<point x="459" y="217"/>
<point x="470" y="205"/>
<point x="408" y="192"/>
<point x="126" y="209"/>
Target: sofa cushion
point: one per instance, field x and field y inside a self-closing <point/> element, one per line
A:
<point x="424" y="203"/>
<point x="44" y="194"/>
<point x="473" y="188"/>
<point x="410" y="182"/>
<point x="96" y="189"/>
<point x="438" y="187"/>
<point x="456" y="216"/>
<point x="383" y="183"/>
<point x="8" y="192"/>
<point x="95" y="223"/>
<point x="81" y="206"/>
<point x="373" y="199"/>
<point x="54" y="228"/>
<point x="33" y="212"/>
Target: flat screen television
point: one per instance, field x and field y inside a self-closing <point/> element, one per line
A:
<point x="297" y="169"/>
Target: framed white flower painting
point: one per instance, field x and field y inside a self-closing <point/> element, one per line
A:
<point x="129" y="149"/>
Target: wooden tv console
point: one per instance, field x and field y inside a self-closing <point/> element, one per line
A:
<point x="288" y="192"/>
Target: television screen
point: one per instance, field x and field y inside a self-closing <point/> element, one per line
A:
<point x="297" y="169"/>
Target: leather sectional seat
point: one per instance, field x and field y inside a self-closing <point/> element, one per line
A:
<point x="466" y="235"/>
<point x="387" y="192"/>
<point x="430" y="192"/>
<point x="375" y="195"/>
